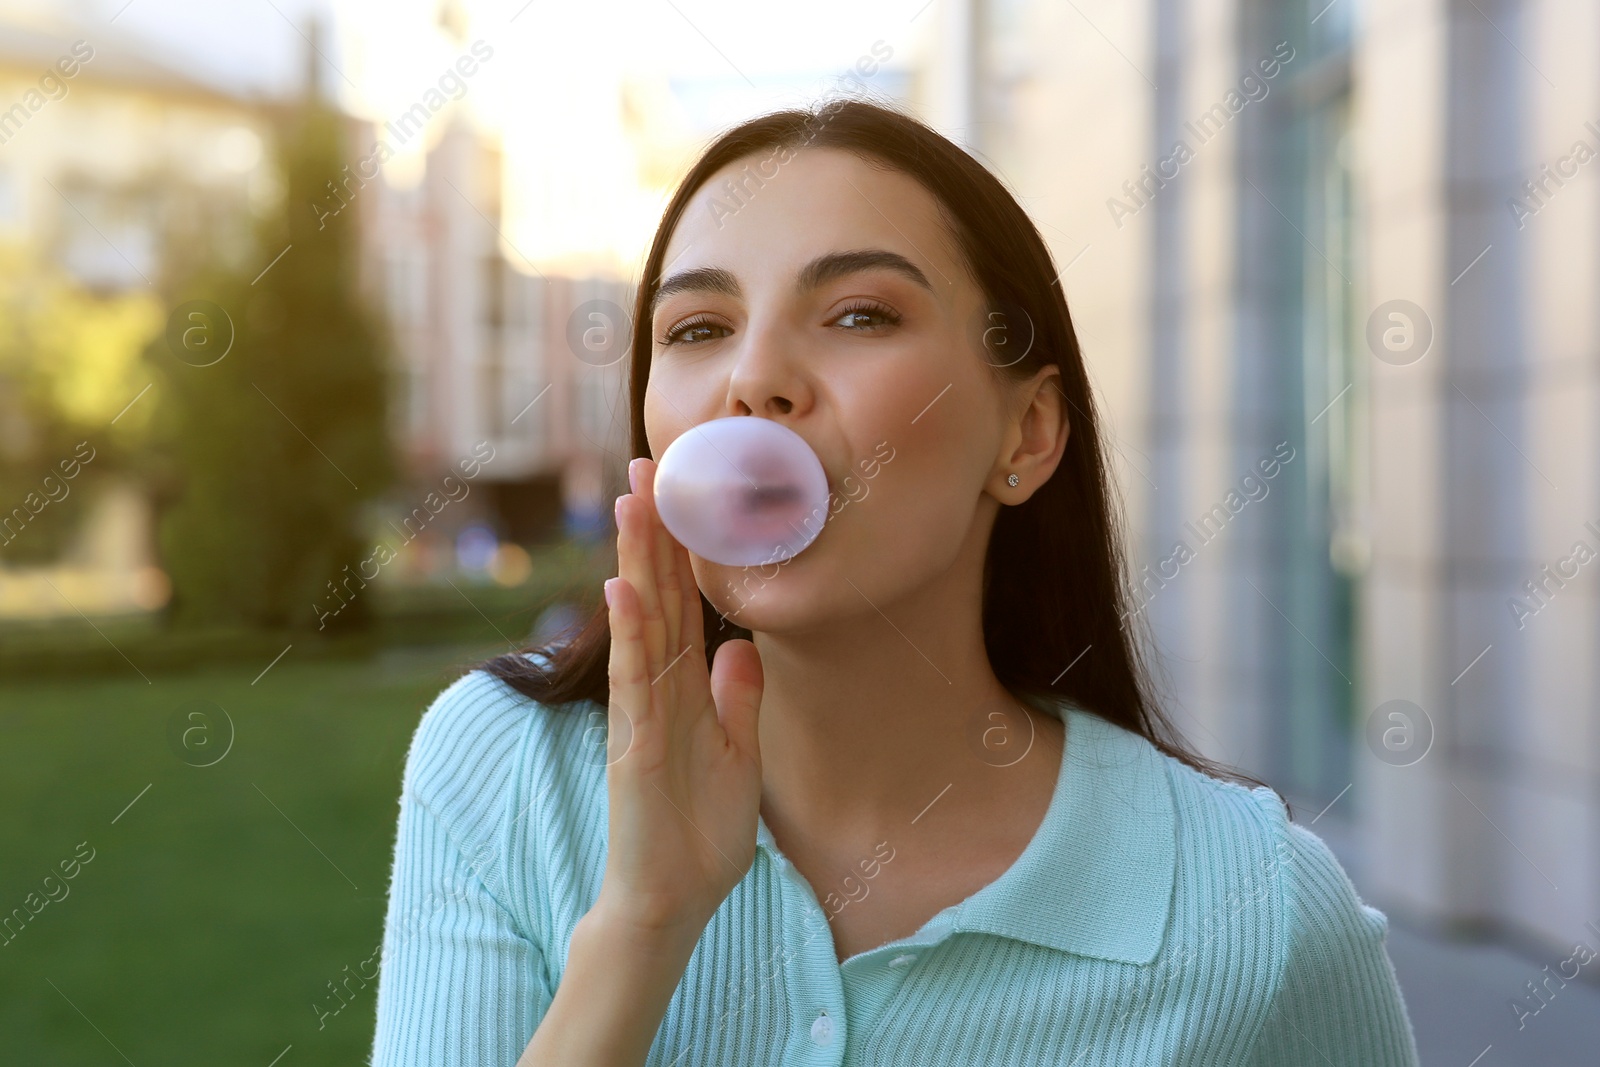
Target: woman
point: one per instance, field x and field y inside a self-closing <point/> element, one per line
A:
<point x="903" y="798"/>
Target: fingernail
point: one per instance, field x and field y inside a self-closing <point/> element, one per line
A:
<point x="633" y="486"/>
<point x="607" y="588"/>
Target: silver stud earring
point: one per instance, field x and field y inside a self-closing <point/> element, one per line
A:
<point x="1012" y="479"/>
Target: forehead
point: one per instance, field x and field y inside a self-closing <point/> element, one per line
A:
<point x="756" y="216"/>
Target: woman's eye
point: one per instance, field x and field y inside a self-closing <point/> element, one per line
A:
<point x="861" y="318"/>
<point x="867" y="317"/>
<point x="694" y="333"/>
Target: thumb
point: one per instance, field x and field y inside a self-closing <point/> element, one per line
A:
<point x="737" y="683"/>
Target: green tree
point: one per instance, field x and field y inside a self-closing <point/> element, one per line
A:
<point x="271" y="453"/>
<point x="69" y="363"/>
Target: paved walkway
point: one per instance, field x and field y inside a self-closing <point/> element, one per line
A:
<point x="1458" y="995"/>
<point x="1458" y="992"/>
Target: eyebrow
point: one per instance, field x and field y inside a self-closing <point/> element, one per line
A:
<point x="819" y="271"/>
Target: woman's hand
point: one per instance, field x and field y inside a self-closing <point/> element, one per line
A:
<point x="683" y="776"/>
<point x="683" y="771"/>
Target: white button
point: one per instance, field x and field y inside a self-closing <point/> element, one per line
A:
<point x="822" y="1030"/>
<point x="903" y="961"/>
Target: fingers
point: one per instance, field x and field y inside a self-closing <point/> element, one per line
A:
<point x="669" y="580"/>
<point x="636" y="563"/>
<point x="737" y="684"/>
<point x="685" y="622"/>
<point x="630" y="680"/>
<point x="692" y="625"/>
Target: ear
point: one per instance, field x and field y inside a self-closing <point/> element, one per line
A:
<point x="1035" y="438"/>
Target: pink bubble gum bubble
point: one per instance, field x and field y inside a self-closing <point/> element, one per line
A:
<point x="742" y="491"/>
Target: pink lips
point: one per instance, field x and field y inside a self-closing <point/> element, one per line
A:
<point x="740" y="490"/>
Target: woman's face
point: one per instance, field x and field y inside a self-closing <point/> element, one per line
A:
<point x="830" y="297"/>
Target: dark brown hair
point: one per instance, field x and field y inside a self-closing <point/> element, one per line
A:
<point x="1054" y="593"/>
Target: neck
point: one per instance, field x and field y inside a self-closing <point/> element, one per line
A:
<point x="866" y="721"/>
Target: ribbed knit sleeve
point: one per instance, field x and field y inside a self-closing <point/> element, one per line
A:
<point x="461" y="980"/>
<point x="1338" y="1002"/>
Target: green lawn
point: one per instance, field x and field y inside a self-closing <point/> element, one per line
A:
<point x="209" y="923"/>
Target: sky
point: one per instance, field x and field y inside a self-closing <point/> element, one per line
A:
<point x="257" y="45"/>
<point x="552" y="87"/>
<point x="247" y="46"/>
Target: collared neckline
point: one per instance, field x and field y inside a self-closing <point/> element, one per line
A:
<point x="1097" y="878"/>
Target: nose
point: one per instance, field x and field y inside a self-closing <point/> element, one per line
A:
<point x="768" y="376"/>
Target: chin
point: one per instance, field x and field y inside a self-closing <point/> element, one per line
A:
<point x="777" y="598"/>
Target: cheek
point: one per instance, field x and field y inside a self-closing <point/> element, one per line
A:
<point x="915" y="513"/>
<point x="730" y="590"/>
<point x="927" y="440"/>
<point x="908" y="522"/>
<point x="658" y="420"/>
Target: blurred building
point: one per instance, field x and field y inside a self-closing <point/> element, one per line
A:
<point x="109" y="160"/>
<point x="127" y="172"/>
<point x="1352" y="245"/>
<point x="108" y="166"/>
<point x="492" y="349"/>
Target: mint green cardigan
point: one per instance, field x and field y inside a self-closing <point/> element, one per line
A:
<point x="1159" y="916"/>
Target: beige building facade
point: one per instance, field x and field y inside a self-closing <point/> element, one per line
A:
<point x="1333" y="271"/>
